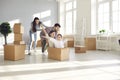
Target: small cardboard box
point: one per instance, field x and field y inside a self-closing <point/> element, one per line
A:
<point x="58" y="53"/>
<point x="80" y="49"/>
<point x="18" y="37"/>
<point x="19" y="42"/>
<point x="39" y="43"/>
<point x="70" y="43"/>
<point x="14" y="52"/>
<point x="18" y="28"/>
<point x="90" y="43"/>
<point x="70" y="40"/>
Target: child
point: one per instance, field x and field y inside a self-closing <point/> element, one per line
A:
<point x="59" y="42"/>
<point x="52" y="35"/>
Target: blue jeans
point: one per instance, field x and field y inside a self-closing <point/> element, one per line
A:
<point x="35" y="38"/>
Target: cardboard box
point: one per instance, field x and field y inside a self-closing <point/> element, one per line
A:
<point x="90" y="43"/>
<point x="58" y="53"/>
<point x="80" y="49"/>
<point x="18" y="28"/>
<point x="70" y="43"/>
<point x="18" y="37"/>
<point x="39" y="43"/>
<point x="19" y="42"/>
<point x="14" y="52"/>
<point x="70" y="38"/>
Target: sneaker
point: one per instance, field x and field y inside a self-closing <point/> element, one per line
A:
<point x="29" y="53"/>
<point x="43" y="54"/>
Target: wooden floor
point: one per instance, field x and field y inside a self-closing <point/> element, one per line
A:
<point x="93" y="65"/>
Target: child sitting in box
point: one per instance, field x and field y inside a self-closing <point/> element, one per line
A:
<point x="58" y="43"/>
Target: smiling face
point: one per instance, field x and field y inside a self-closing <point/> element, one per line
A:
<point x="37" y="21"/>
<point x="57" y="28"/>
<point x="59" y="37"/>
<point x="52" y="34"/>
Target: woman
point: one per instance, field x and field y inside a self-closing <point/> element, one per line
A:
<point x="35" y="26"/>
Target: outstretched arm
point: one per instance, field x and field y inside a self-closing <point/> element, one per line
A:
<point x="44" y="30"/>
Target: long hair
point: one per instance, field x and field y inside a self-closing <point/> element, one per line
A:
<point x="34" y="24"/>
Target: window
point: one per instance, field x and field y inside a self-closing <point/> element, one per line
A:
<point x="103" y="16"/>
<point x="108" y="15"/>
<point x="116" y="16"/>
<point x="68" y="16"/>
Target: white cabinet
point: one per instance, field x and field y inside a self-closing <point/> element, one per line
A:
<point x="108" y="42"/>
<point x="103" y="42"/>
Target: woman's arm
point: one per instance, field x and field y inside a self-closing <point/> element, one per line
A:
<point x="44" y="30"/>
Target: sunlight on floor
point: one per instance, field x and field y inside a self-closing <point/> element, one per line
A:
<point x="55" y="65"/>
<point x="68" y="70"/>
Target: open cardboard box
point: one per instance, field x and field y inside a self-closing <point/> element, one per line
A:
<point x="14" y="52"/>
<point x="58" y="53"/>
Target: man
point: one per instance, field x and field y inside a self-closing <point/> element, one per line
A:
<point x="55" y="28"/>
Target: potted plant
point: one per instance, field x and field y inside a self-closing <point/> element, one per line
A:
<point x="102" y="31"/>
<point x="5" y="29"/>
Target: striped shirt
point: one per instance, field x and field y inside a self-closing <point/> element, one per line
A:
<point x="48" y="29"/>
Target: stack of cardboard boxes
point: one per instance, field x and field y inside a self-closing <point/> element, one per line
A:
<point x="15" y="51"/>
<point x="18" y="33"/>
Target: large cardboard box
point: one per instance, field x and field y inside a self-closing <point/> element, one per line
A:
<point x="14" y="52"/>
<point x="18" y="28"/>
<point x="80" y="49"/>
<point x="19" y="42"/>
<point x="58" y="53"/>
<point x="90" y="43"/>
<point x="18" y="37"/>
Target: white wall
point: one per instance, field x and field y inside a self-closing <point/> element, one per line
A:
<point x="84" y="12"/>
<point x="23" y="10"/>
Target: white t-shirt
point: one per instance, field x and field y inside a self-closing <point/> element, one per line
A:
<point x="57" y="43"/>
<point x="51" y="44"/>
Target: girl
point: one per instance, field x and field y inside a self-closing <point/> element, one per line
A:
<point x="35" y="26"/>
